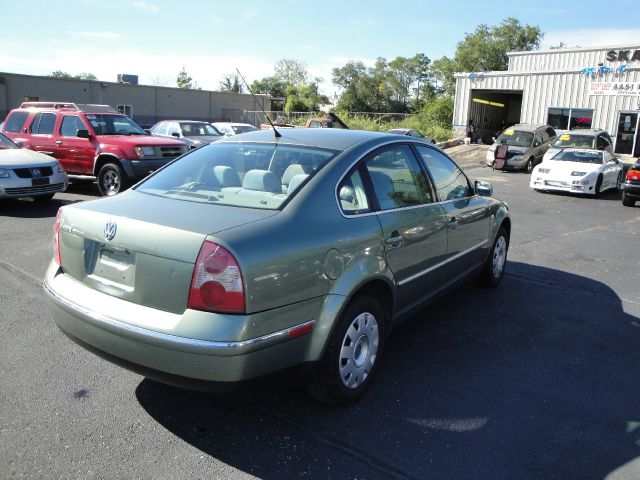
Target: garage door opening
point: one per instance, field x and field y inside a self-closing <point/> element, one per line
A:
<point x="494" y="110"/>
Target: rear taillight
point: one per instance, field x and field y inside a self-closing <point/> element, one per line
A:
<point x="633" y="174"/>
<point x="217" y="281"/>
<point x="56" y="238"/>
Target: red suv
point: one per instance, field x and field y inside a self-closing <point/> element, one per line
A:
<point x="91" y="140"/>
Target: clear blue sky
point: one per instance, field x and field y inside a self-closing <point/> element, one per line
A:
<point x="155" y="38"/>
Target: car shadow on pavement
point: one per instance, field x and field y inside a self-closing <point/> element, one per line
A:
<point x="538" y="378"/>
<point x="28" y="208"/>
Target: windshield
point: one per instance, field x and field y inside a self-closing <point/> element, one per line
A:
<point x="567" y="140"/>
<point x="238" y="174"/>
<point x="198" y="129"/>
<point x="516" y="138"/>
<point x="114" y="124"/>
<point x="582" y="156"/>
<point x="238" y="129"/>
<point x="6" y="143"/>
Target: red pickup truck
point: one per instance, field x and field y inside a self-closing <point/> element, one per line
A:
<point x="91" y="140"/>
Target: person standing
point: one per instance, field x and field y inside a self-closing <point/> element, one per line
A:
<point x="470" y="131"/>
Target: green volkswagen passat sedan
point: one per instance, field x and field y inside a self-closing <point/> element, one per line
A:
<point x="259" y="253"/>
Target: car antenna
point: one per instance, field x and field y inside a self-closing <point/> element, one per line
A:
<point x="275" y="132"/>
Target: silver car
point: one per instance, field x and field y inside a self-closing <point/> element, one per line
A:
<point x="526" y="146"/>
<point x="25" y="173"/>
<point x="192" y="132"/>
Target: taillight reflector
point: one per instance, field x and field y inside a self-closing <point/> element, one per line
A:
<point x="633" y="174"/>
<point x="56" y="238"/>
<point x="217" y="281"/>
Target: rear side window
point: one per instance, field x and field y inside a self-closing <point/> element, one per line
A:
<point x="15" y="122"/>
<point x="449" y="180"/>
<point x="397" y="178"/>
<point x="351" y="192"/>
<point x="43" y="123"/>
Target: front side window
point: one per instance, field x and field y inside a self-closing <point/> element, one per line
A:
<point x="450" y="182"/>
<point x="261" y="175"/>
<point x="113" y="124"/>
<point x="197" y="129"/>
<point x="70" y="126"/>
<point x="15" y="122"/>
<point x="43" y="123"/>
<point x="397" y="178"/>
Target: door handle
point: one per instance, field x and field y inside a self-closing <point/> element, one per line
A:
<point x="58" y="142"/>
<point x="452" y="223"/>
<point x="394" y="240"/>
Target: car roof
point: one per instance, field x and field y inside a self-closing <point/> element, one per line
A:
<point x="527" y="127"/>
<point x="183" y="121"/>
<point x="331" y="138"/>
<point x="233" y="123"/>
<point x="585" y="131"/>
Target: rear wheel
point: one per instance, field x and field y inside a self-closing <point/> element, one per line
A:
<point x="493" y="271"/>
<point x="627" y="201"/>
<point x="111" y="179"/>
<point x="352" y="356"/>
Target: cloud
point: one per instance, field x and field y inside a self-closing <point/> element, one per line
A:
<point x="99" y="35"/>
<point x="592" y="37"/>
<point x="144" y="6"/>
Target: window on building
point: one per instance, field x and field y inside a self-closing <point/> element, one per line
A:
<point x="569" y="118"/>
<point x="31" y="99"/>
<point x="126" y="109"/>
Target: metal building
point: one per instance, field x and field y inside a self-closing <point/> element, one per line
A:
<point x="147" y="104"/>
<point x="565" y="88"/>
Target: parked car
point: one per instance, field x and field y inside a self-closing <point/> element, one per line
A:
<point x="410" y="132"/>
<point x="24" y="173"/>
<point x="578" y="171"/>
<point x="236" y="261"/>
<point x="91" y="140"/>
<point x="526" y="144"/>
<point x="595" y="139"/>
<point x="631" y="185"/>
<point x="231" y="128"/>
<point x="193" y="133"/>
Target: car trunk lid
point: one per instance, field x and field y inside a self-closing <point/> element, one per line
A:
<point x="145" y="253"/>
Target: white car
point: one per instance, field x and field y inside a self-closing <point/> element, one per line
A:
<point x="25" y="173"/>
<point x="231" y="128"/>
<point x="578" y="171"/>
<point x="592" y="139"/>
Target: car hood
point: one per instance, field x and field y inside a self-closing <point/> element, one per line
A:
<point x="21" y="157"/>
<point x="140" y="140"/>
<point x="565" y="168"/>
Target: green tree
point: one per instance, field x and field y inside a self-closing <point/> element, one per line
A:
<point x="68" y="76"/>
<point x="183" y="80"/>
<point x="231" y="83"/>
<point x="269" y="85"/>
<point x="486" y="48"/>
<point x="291" y="72"/>
<point x="443" y="70"/>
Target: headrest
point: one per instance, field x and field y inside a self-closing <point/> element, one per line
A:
<point x="295" y="182"/>
<point x="293" y="169"/>
<point x="262" y="180"/>
<point x="226" y="176"/>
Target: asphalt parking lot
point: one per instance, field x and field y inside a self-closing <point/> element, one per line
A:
<point x="539" y="378"/>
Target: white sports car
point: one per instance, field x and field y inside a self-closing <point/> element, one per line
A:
<point x="578" y="171"/>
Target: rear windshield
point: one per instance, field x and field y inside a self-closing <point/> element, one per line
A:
<point x="583" y="156"/>
<point x="567" y="140"/>
<point x="516" y="138"/>
<point x="260" y="175"/>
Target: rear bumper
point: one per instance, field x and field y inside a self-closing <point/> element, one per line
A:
<point x="632" y="189"/>
<point x="168" y="358"/>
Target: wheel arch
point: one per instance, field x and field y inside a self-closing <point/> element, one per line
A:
<point x="103" y="159"/>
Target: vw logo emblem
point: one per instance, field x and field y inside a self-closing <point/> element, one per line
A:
<point x="35" y="172"/>
<point x="110" y="229"/>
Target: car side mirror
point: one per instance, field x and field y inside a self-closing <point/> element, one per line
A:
<point x="83" y="133"/>
<point x="175" y="134"/>
<point x="483" y="188"/>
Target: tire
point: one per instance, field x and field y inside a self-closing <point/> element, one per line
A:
<point x="494" y="267"/>
<point x="530" y="164"/>
<point x="43" y="198"/>
<point x="111" y="180"/>
<point x="353" y="353"/>
<point x="627" y="201"/>
<point x="597" y="191"/>
<point x="619" y="181"/>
